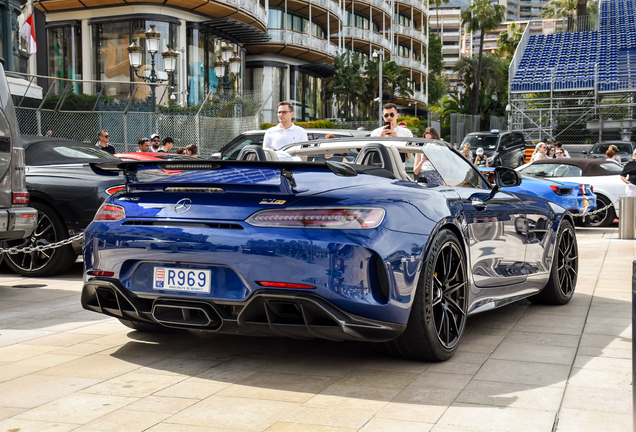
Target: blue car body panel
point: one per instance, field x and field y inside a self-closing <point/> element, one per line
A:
<point x="365" y="278"/>
<point x="572" y="196"/>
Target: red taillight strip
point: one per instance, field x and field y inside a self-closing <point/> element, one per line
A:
<point x="114" y="189"/>
<point x="101" y="273"/>
<point x="284" y="285"/>
<point x="326" y="218"/>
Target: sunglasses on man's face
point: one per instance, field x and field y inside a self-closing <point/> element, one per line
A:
<point x="387" y="115"/>
<point x="106" y="136"/>
<point x="156" y="139"/>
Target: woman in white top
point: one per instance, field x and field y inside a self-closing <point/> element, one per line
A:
<point x="539" y="152"/>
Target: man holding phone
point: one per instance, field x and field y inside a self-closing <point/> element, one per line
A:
<point x="390" y="128"/>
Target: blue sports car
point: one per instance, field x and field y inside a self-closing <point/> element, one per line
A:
<point x="578" y="198"/>
<point x="326" y="247"/>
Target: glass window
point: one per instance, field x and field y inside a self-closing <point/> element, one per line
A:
<point x="487" y="142"/>
<point x="553" y="170"/>
<point x="65" y="47"/>
<point x="454" y="169"/>
<point x="275" y="19"/>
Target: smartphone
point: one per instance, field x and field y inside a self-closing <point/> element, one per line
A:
<point x="387" y="124"/>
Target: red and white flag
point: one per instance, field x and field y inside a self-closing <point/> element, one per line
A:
<point x="27" y="31"/>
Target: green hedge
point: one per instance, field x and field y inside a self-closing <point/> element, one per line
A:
<point x="318" y="124"/>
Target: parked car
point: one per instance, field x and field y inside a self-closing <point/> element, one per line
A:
<point x="604" y="176"/>
<point x="343" y="251"/>
<point x="231" y="150"/>
<point x="66" y="193"/>
<point x="501" y="148"/>
<point x="578" y="198"/>
<point x="625" y="150"/>
<point x="17" y="218"/>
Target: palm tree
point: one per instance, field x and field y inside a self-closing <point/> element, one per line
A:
<point x="346" y="83"/>
<point x="509" y="40"/>
<point x="483" y="17"/>
<point x="438" y="4"/>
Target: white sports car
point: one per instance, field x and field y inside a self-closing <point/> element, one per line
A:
<point x="604" y="176"/>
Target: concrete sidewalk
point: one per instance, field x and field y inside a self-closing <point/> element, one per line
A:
<point x="520" y="368"/>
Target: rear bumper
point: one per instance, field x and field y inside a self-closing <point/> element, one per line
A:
<point x="17" y="222"/>
<point x="266" y="313"/>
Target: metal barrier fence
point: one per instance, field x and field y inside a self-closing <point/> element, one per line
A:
<point x="79" y="109"/>
<point x="574" y="117"/>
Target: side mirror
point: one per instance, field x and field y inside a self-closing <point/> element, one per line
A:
<point x="215" y="156"/>
<point x="506" y="177"/>
<point x="584" y="152"/>
<point x="504" y="148"/>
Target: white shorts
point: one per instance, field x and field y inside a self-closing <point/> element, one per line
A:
<point x="630" y="190"/>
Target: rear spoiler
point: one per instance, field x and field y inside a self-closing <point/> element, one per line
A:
<point x="130" y="168"/>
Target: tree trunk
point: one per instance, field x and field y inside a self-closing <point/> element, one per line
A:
<point x="474" y="94"/>
<point x="581" y="9"/>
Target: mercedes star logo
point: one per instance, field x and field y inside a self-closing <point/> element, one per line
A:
<point x="183" y="205"/>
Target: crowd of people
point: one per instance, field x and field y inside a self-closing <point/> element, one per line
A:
<point x="154" y="144"/>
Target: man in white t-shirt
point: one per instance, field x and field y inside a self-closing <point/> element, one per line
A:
<point x="285" y="132"/>
<point x="391" y="114"/>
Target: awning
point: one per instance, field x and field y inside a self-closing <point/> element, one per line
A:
<point x="233" y="30"/>
<point x="22" y="87"/>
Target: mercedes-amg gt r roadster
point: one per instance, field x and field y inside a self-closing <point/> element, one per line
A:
<point x="343" y="245"/>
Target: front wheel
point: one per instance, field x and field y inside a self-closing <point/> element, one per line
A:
<point x="564" y="271"/>
<point x="49" y="229"/>
<point x="438" y="316"/>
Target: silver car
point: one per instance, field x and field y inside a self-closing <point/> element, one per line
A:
<point x="17" y="220"/>
<point x="255" y="137"/>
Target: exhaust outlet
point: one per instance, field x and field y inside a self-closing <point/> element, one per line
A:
<point x="185" y="314"/>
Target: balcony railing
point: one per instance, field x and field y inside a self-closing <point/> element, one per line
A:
<point x="412" y="33"/>
<point x="420" y="4"/>
<point x="253" y="7"/>
<point x="302" y="39"/>
<point x="331" y="5"/>
<point x="420" y="96"/>
<point x="409" y="63"/>
<point x="366" y="34"/>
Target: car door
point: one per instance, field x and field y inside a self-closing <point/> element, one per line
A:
<point x="494" y="221"/>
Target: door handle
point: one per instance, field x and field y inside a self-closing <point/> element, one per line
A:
<point x="479" y="204"/>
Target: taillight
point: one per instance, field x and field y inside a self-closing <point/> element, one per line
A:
<point x="284" y="285"/>
<point x="101" y="273"/>
<point x="109" y="213"/>
<point x="561" y="191"/>
<point x="115" y="189"/>
<point x="20" y="197"/>
<point x="329" y="218"/>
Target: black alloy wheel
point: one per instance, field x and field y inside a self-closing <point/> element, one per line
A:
<point x="565" y="269"/>
<point x="49" y="229"/>
<point x="603" y="218"/>
<point x="438" y="316"/>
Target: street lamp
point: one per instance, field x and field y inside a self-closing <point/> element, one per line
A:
<point x="135" y="55"/>
<point x="380" y="56"/>
<point x="228" y="64"/>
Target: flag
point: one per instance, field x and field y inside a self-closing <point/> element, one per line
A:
<point x="27" y="31"/>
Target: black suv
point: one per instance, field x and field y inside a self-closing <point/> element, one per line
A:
<point x="502" y="148"/>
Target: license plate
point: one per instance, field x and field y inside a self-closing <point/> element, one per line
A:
<point x="175" y="279"/>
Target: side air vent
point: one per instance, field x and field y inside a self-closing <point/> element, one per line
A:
<point x="215" y="225"/>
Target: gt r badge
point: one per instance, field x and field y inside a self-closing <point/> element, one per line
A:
<point x="272" y="201"/>
<point x="183" y="205"/>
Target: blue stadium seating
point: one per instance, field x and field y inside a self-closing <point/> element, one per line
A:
<point x="572" y="57"/>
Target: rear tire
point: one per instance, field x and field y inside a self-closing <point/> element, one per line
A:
<point x="438" y="316"/>
<point x="50" y="228"/>
<point x="604" y="218"/>
<point x="564" y="272"/>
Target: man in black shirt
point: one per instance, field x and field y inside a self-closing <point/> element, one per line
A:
<point x="103" y="141"/>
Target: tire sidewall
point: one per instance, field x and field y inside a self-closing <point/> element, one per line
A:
<point x="444" y="237"/>
<point x="558" y="290"/>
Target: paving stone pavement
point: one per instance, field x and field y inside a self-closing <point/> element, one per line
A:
<point x="520" y="368"/>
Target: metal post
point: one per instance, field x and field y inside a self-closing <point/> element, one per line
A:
<point x="633" y="335"/>
<point x="380" y="66"/>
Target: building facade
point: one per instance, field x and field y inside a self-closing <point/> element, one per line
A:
<point x="451" y="33"/>
<point x="286" y="47"/>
